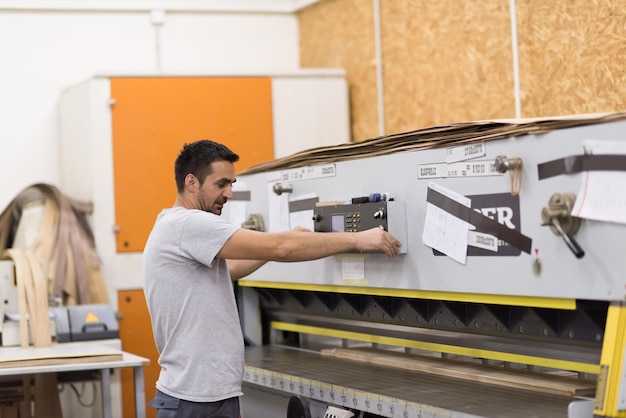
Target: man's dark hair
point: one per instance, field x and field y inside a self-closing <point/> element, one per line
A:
<point x="196" y="158"/>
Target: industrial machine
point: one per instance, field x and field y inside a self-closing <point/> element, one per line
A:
<point x="507" y="299"/>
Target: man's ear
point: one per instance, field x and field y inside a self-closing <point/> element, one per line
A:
<point x="191" y="182"/>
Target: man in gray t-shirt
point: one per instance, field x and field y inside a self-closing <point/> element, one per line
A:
<point x="189" y="261"/>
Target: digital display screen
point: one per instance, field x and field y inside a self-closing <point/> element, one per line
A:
<point x="338" y="223"/>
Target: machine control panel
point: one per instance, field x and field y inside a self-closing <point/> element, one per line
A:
<point x="356" y="217"/>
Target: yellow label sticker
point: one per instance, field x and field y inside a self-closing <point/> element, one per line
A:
<point x="91" y="317"/>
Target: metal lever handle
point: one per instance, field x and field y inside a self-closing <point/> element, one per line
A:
<point x="280" y="188"/>
<point x="569" y="240"/>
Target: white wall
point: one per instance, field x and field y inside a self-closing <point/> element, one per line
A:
<point x="67" y="49"/>
<point x="46" y="46"/>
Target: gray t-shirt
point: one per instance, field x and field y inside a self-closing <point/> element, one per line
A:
<point x="192" y="306"/>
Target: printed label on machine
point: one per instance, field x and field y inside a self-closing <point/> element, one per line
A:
<point x="308" y="173"/>
<point x="466" y="152"/>
<point x="463" y="169"/>
<point x="484" y="241"/>
<point x="502" y="208"/>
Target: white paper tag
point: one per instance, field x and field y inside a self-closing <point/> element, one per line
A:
<point x="308" y="173"/>
<point x="462" y="169"/>
<point x="442" y="230"/>
<point x="481" y="240"/>
<point x="601" y="196"/>
<point x="353" y="267"/>
<point x="466" y="152"/>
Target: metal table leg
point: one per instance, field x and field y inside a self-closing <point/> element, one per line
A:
<point x="105" y="388"/>
<point x="140" y="393"/>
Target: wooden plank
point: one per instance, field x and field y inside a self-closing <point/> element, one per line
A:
<point x="32" y="298"/>
<point x="533" y="381"/>
<point x="58" y="354"/>
<point x="25" y="404"/>
<point x="47" y="401"/>
<point x="20" y="272"/>
<point x="64" y="360"/>
<point x="40" y="324"/>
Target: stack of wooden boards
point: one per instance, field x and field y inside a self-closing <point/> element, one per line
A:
<point x="561" y="385"/>
<point x="433" y="137"/>
<point x="32" y="293"/>
<point x="46" y="235"/>
<point x="60" y="238"/>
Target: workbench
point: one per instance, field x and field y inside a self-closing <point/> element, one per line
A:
<point x="103" y="367"/>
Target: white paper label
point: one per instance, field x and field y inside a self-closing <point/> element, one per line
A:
<point x="463" y="169"/>
<point x="444" y="231"/>
<point x="466" y="152"/>
<point x="481" y="240"/>
<point x="601" y="196"/>
<point x="353" y="267"/>
<point x="307" y="173"/>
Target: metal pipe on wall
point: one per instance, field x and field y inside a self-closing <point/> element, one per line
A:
<point x="515" y="52"/>
<point x="379" y="69"/>
<point x="157" y="18"/>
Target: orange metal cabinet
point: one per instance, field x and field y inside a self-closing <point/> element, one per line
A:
<point x="136" y="336"/>
<point x="153" y="117"/>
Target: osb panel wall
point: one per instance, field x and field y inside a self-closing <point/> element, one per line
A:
<point x="572" y="56"/>
<point x="445" y="62"/>
<point x="451" y="61"/>
<point x="340" y="34"/>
